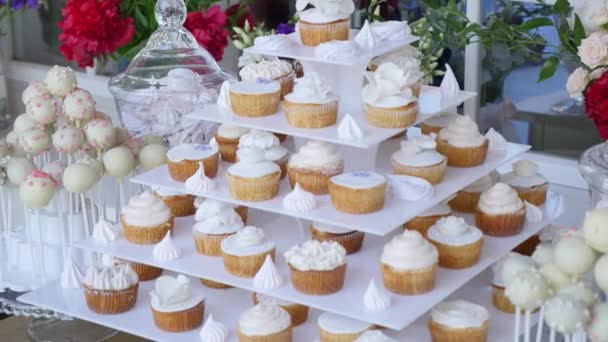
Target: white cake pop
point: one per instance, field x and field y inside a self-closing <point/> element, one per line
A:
<point x="527" y="290"/>
<point x="543" y="254"/>
<point x="595" y="229"/>
<point x="79" y="105"/>
<point x="152" y="156"/>
<point x="60" y="81"/>
<point x="98" y="115"/>
<point x="598" y="328"/>
<point x="580" y="291"/>
<point x="573" y="256"/>
<point x="94" y="163"/>
<point x="600" y="273"/>
<point x="100" y="134"/>
<point x="515" y="263"/>
<point x="43" y="109"/>
<point x="35" y="141"/>
<point x="17" y="169"/>
<point x="34" y="89"/>
<point x="55" y="170"/>
<point x="118" y="162"/>
<point x="134" y="144"/>
<point x="12" y="139"/>
<point x="555" y="276"/>
<point x="565" y="314"/>
<point x="79" y="178"/>
<point x="24" y="123"/>
<point x="88" y="150"/>
<point x="37" y="190"/>
<point x="68" y="139"/>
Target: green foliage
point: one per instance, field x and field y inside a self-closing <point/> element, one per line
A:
<point x="244" y="37"/>
<point x="373" y="11"/>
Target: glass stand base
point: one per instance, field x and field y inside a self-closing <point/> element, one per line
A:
<point x="56" y="330"/>
<point x="569" y="106"/>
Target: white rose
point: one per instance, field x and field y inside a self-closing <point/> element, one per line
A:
<point x="577" y="82"/>
<point x="594" y="49"/>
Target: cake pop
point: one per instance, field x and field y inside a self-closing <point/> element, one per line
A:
<point x="79" y="178"/>
<point x="134" y="144"/>
<point x="595" y="229"/>
<point x="42" y="109"/>
<point x="580" y="291"/>
<point x="600" y="273"/>
<point x="55" y="170"/>
<point x="37" y="190"/>
<point x="60" y="81"/>
<point x="152" y="156"/>
<point x="98" y="115"/>
<point x="34" y="89"/>
<point x="598" y="328"/>
<point x="118" y="162"/>
<point x="17" y="169"/>
<point x="24" y="123"/>
<point x="515" y="263"/>
<point x="573" y="256"/>
<point x="555" y="276"/>
<point x="100" y="134"/>
<point x="79" y="105"/>
<point x="12" y="139"/>
<point x="565" y="314"/>
<point x="543" y="254"/>
<point x="68" y="139"/>
<point x="35" y="142"/>
<point x="95" y="164"/>
<point x="527" y="290"/>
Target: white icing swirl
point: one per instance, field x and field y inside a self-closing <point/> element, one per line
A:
<point x="460" y="314"/>
<point x="409" y="251"/>
<point x="316" y="256"/>
<point x="115" y="277"/>
<point x="273" y="42"/>
<point x="71" y="276"/>
<point x="270" y="70"/>
<point x="454" y="231"/>
<point x="367" y="38"/>
<point x="268" y="277"/>
<point x="104" y="232"/>
<point x="266" y="141"/>
<point x="391" y="30"/>
<point x="389" y="87"/>
<point x="247" y="241"/>
<point x="337" y="50"/>
<point x="374" y="299"/>
<point x="374" y="336"/>
<point x="223" y="99"/>
<point x="462" y="132"/>
<point x="318" y="155"/>
<point x="419" y="152"/>
<point x="500" y="199"/>
<point x="311" y="89"/>
<point x="348" y="129"/>
<point x="213" y="331"/>
<point x="173" y="294"/>
<point x="525" y="174"/>
<point x="208" y="208"/>
<point x="166" y="250"/>
<point x="449" y="89"/>
<point x="224" y="222"/>
<point x="199" y="183"/>
<point x="299" y="200"/>
<point x="325" y="11"/>
<point x="263" y="320"/>
<point x="252" y="164"/>
<point x="497" y="141"/>
<point x="146" y="210"/>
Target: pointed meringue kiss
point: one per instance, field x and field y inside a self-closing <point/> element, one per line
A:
<point x="199" y="183"/>
<point x="268" y="277"/>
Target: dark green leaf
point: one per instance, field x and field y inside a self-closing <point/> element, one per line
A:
<point x="534" y="24"/>
<point x="561" y="7"/>
<point x="579" y="30"/>
<point x="548" y="69"/>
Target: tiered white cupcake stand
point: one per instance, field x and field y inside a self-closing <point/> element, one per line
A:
<point x="405" y="318"/>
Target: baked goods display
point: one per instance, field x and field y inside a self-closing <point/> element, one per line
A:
<point x="110" y="289"/>
<point x="461" y="142"/>
<point x="175" y="308"/>
<point x="458" y="243"/>
<point x="459" y="321"/>
<point x="146" y="219"/>
<point x="418" y="157"/>
<point x="313" y="165"/>
<point x="500" y="211"/>
<point x="311" y="104"/>
<point x="245" y="251"/>
<point x="530" y="185"/>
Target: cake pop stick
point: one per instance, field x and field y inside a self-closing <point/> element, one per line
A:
<point x="41" y="250"/>
<point x="85" y="215"/>
<point x="59" y="207"/>
<point x="541" y="324"/>
<point x="552" y="335"/>
<point x="517" y="328"/>
<point x="70" y="218"/>
<point x="527" y="317"/>
<point x="3" y="205"/>
<point x="30" y="243"/>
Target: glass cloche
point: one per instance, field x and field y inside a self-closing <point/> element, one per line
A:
<point x="169" y="78"/>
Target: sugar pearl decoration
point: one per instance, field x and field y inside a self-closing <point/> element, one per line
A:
<point x="566" y="314"/>
<point x="600" y="273"/>
<point x="68" y="139"/>
<point x="34" y="89"/>
<point x="528" y="290"/>
<point x="573" y="256"/>
<point x="17" y="169"/>
<point x="35" y="141"/>
<point x="100" y="134"/>
<point x="42" y="109"/>
<point x="79" y="105"/>
<point x="152" y="156"/>
<point x="79" y="178"/>
<point x="60" y="81"/>
<point x="118" y="162"/>
<point x="37" y="190"/>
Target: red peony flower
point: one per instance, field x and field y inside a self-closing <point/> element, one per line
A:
<point x="93" y="28"/>
<point x="209" y="30"/>
<point x="239" y="14"/>
<point x="596" y="104"/>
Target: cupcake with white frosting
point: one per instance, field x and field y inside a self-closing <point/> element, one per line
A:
<point x="500" y="211"/>
<point x="312" y="104"/>
<point x="424" y="221"/>
<point x="244" y="252"/>
<point x="326" y="21"/>
<point x="459" y="321"/>
<point x="418" y="157"/>
<point x="227" y="138"/>
<point x="466" y="199"/>
<point x="265" y="322"/>
<point x="174" y="307"/>
<point x="357" y="192"/>
<point x="270" y="144"/>
<point x="215" y="223"/>
<point x="298" y="312"/>
<point x="253" y="178"/>
<point x="339" y="328"/>
<point x="406" y="58"/>
<point x="438" y="122"/>
<point x="530" y="185"/>
<point x="409" y="264"/>
<point x="351" y="240"/>
<point x="458" y="243"/>
<point x="317" y="268"/>
<point x="388" y="99"/>
<point x="183" y="160"/>
<point x="313" y="165"/>
<point x="146" y="219"/>
<point x="111" y="289"/>
<point x="255" y="98"/>
<point x="462" y="143"/>
<point x="179" y="203"/>
<point x="276" y="70"/>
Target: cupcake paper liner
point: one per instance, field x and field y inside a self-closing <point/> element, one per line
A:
<point x="305" y="115"/>
<point x="182" y="170"/>
<point x="179" y="321"/>
<point x="281" y="336"/>
<point x="357" y="201"/>
<point x="145" y="235"/>
<point x="501" y="225"/>
<point x="433" y="173"/>
<point x="286" y="83"/>
<point x="245" y="266"/>
<point x="401" y="117"/>
<point x="352" y="242"/>
<point x="214" y="284"/>
<point x="410" y="282"/>
<point x="428" y="129"/>
<point x="443" y="333"/>
<point x="227" y="147"/>
<point x="423" y="223"/>
<point x="254" y="189"/>
<point x="298" y="312"/>
<point x="527" y="247"/>
<point x="111" y="301"/>
<point x="535" y="195"/>
<point x="318" y="282"/>
<point x="145" y="272"/>
<point x="501" y="301"/>
<point x="314" y="34"/>
<point x="209" y="244"/>
<point x="180" y="205"/>
<point x="255" y="105"/>
<point x="463" y="156"/>
<point x="456" y="257"/>
<point x="311" y="180"/>
<point x="465" y="202"/>
<point x="327" y="336"/>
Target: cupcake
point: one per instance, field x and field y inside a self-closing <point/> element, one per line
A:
<point x="174" y="307"/>
<point x="409" y="264"/>
<point x="418" y="158"/>
<point x="325" y="22"/>
<point x="183" y="160"/>
<point x="245" y="251"/>
<point x="210" y="231"/>
<point x="357" y="192"/>
<point x="227" y="138"/>
<point x="145" y="272"/>
<point x="265" y="323"/>
<point x="111" y="289"/>
<point x="466" y="200"/>
<point x="500" y="211"/>
<point x="298" y="312"/>
<point x="438" y="122"/>
<point x="458" y="243"/>
<point x="407" y="59"/>
<point x="253" y="178"/>
<point x="530" y="185"/>
<point x="336" y="328"/>
<point x="311" y="104"/>
<point x="374" y="336"/>
<point x="276" y="70"/>
<point x="146" y="219"/>
<point x="351" y="240"/>
<point x="270" y="144"/>
<point x="255" y="98"/>
<point x="211" y="207"/>
<point x="313" y="165"/>
<point x="178" y="203"/>
<point x="459" y="321"/>
<point x="424" y="221"/>
<point x="462" y="143"/>
<point x="317" y="268"/>
<point x="388" y="99"/>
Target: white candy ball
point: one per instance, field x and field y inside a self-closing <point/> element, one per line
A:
<point x="580" y="291"/>
<point x="100" y="134"/>
<point x="60" y="81"/>
<point x="595" y="229"/>
<point x="24" y="123"/>
<point x="68" y="139"/>
<point x="55" y="170"/>
<point x="598" y="328"/>
<point x="34" y="89"/>
<point x="566" y="314"/>
<point x="555" y="276"/>
<point x="600" y="273"/>
<point x="118" y="162"/>
<point x="37" y="190"/>
<point x="17" y="169"/>
<point x="152" y="156"/>
<point x="543" y="254"/>
<point x="42" y="109"/>
<point x="79" y="105"/>
<point x="573" y="256"/>
<point x="35" y="141"/>
<point x="79" y="178"/>
<point x="515" y="263"/>
<point x="527" y="290"/>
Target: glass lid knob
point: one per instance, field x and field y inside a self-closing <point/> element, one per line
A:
<point x="170" y="13"/>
